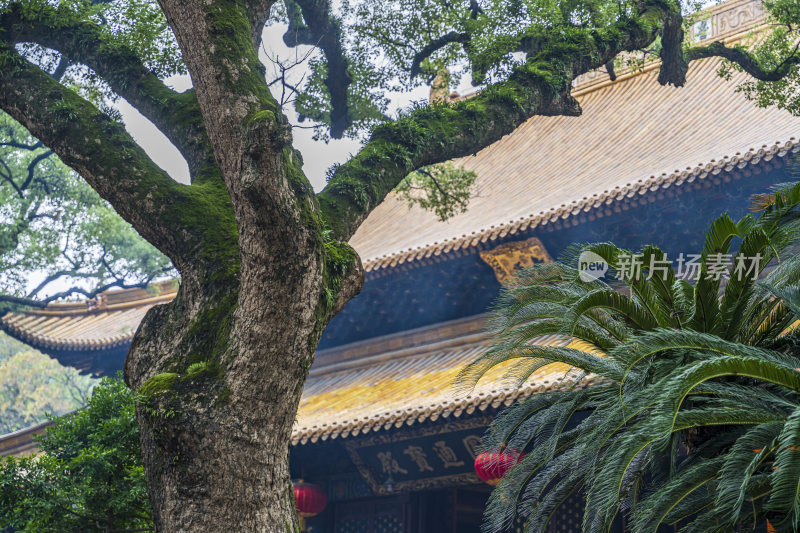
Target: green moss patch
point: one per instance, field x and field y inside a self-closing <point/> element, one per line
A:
<point x="158" y="384"/>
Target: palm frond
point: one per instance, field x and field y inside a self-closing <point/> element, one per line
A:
<point x="742" y="461"/>
<point x="694" y="418"/>
<point x="784" y="497"/>
<point x="653" y="510"/>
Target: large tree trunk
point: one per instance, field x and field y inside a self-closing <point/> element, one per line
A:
<point x="214" y="444"/>
<point x="220" y="372"/>
<point x="221" y="369"/>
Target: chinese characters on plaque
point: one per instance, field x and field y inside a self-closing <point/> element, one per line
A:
<point x="421" y="457"/>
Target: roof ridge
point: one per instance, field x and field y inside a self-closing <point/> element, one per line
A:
<point x="114" y="300"/>
<point x="57" y="343"/>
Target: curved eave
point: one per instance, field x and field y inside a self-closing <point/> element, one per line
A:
<point x="395" y="381"/>
<point x="411" y="377"/>
<point x="92" y="336"/>
<point x="49" y="344"/>
<point x="618" y="198"/>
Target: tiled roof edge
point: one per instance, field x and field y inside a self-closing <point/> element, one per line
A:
<point x="40" y="341"/>
<point x="619" y="194"/>
<point x="455" y="407"/>
<point x="111" y="301"/>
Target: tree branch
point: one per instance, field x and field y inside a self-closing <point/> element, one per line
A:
<point x="22" y="146"/>
<point x="323" y="31"/>
<point x="441" y="132"/>
<point x="439" y="43"/>
<point x="746" y="60"/>
<point x="284" y="68"/>
<point x="118" y="66"/>
<point x="675" y="61"/>
<point x="32" y="168"/>
<point x="442" y="191"/>
<point x="95" y="146"/>
<point x="28" y="212"/>
<point x="433" y="46"/>
<point x="54" y="277"/>
<point x="9" y="178"/>
<point x="298" y="32"/>
<point x="612" y="74"/>
<point x="257" y="14"/>
<point x="674" y="65"/>
<point x="61" y="68"/>
<point x="43" y="302"/>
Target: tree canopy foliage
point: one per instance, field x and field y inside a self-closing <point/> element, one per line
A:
<point x="58" y="238"/>
<point x="89" y="476"/>
<point x="690" y="416"/>
<point x="33" y="386"/>
<point x="485" y="41"/>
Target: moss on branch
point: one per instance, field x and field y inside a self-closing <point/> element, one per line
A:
<point x="440" y="132"/>
<point x="90" y="142"/>
<point x="158" y="384"/>
<point x="209" y="334"/>
<point x="236" y="58"/>
<point x="746" y="60"/>
<point x="339" y="258"/>
<point x="192" y="225"/>
<point x="83" y="41"/>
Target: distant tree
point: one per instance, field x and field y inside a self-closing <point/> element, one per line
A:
<point x="264" y="260"/>
<point x="10" y="346"/>
<point x="692" y="415"/>
<point x="89" y="475"/>
<point x="33" y="385"/>
<point x="56" y="230"/>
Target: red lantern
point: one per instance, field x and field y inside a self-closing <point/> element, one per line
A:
<point x="492" y="466"/>
<point x="309" y="499"/>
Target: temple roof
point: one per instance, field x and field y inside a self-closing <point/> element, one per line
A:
<point x="21" y="443"/>
<point x="407" y="378"/>
<point x="398" y="380"/>
<point x="633" y="138"/>
<point x="111" y="319"/>
<point x="78" y="331"/>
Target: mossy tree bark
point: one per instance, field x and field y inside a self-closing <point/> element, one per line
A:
<point x="264" y="262"/>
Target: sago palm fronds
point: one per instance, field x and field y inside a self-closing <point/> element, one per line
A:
<point x="687" y="409"/>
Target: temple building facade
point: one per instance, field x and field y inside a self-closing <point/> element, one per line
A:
<point x="381" y="428"/>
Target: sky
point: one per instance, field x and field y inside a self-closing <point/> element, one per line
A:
<point x="318" y="156"/>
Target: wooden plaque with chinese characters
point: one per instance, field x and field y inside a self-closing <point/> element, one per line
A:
<point x="420" y="458"/>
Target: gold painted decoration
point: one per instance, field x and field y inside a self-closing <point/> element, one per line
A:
<point x="510" y="257"/>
